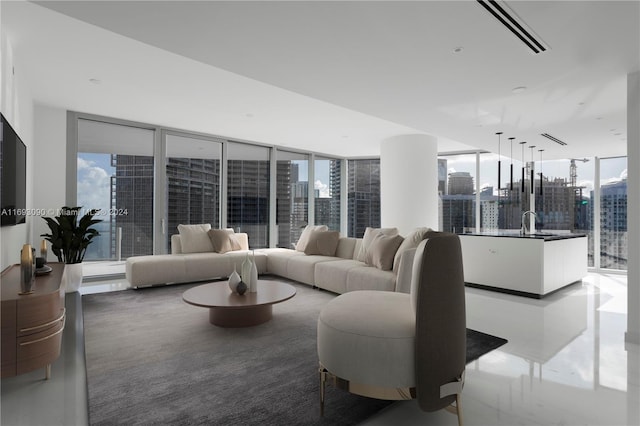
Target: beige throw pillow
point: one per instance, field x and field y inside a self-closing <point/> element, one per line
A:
<point x="382" y="251"/>
<point x="220" y="240"/>
<point x="323" y="243"/>
<point x="411" y="241"/>
<point x="194" y="238"/>
<point x="301" y="245"/>
<point x="367" y="238"/>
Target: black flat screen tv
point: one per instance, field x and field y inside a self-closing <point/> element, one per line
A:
<point x="13" y="172"/>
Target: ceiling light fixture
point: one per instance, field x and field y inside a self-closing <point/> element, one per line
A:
<point x="510" y="20"/>
<point x="94" y="81"/>
<point x="458" y="49"/>
<point x="518" y="89"/>
<point x="553" y="138"/>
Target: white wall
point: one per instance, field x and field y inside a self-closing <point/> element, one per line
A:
<point x="49" y="167"/>
<point x="17" y="106"/>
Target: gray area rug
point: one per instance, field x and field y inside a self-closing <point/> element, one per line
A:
<point x="153" y="359"/>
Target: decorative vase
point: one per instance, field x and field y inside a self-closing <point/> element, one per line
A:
<point x="72" y="277"/>
<point x="234" y="280"/>
<point x="253" y="280"/>
<point x="245" y="271"/>
<point x="27" y="269"/>
<point x="241" y="288"/>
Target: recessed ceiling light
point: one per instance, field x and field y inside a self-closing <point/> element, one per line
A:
<point x="598" y="118"/>
<point x="581" y="103"/>
<point x="458" y="49"/>
<point x="518" y="89"/>
<point x="94" y="81"/>
<point x="249" y="115"/>
<point x="617" y="134"/>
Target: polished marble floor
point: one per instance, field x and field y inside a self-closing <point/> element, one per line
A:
<point x="565" y="363"/>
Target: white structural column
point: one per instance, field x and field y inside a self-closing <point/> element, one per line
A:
<point x="633" y="207"/>
<point x="632" y="336"/>
<point x="409" y="182"/>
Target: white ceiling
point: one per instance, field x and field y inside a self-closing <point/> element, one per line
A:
<point x="338" y="77"/>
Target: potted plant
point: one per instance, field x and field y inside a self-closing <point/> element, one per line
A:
<point x="69" y="240"/>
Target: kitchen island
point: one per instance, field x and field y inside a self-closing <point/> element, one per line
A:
<point x="533" y="265"/>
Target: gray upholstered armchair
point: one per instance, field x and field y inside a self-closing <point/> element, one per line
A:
<point x="394" y="346"/>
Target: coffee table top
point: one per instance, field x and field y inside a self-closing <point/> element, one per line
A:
<point x="218" y="295"/>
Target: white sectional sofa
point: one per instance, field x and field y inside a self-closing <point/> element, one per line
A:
<point x="341" y="273"/>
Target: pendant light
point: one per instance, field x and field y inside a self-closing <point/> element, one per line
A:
<point x="499" y="160"/>
<point x="511" y="167"/>
<point x="532" y="167"/>
<point x="522" y="179"/>
<point x="540" y="151"/>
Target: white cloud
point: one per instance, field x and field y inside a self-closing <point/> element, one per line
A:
<point x="94" y="186"/>
<point x="623" y="175"/>
<point x="323" y="189"/>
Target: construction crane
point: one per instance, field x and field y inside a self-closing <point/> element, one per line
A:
<point x="577" y="191"/>
<point x="573" y="170"/>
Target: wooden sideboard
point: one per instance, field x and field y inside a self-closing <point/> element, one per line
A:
<point x="32" y="324"/>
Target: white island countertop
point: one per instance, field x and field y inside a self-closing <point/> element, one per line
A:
<point x="527" y="265"/>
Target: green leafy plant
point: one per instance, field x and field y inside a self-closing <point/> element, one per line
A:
<point x="69" y="236"/>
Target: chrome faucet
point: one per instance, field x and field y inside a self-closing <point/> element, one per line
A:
<point x="523" y="229"/>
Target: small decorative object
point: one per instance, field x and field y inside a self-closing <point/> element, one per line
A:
<point x="43" y="250"/>
<point x="234" y="280"/>
<point x="241" y="288"/>
<point x="253" y="281"/>
<point x="27" y="270"/>
<point x="245" y="272"/>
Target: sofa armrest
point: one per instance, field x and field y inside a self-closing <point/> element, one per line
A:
<point x="176" y="245"/>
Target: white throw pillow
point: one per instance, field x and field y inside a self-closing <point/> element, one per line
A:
<point x="301" y="245"/>
<point x="368" y="237"/>
<point x="194" y="238"/>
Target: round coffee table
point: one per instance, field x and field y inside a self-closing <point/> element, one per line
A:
<point x="228" y="309"/>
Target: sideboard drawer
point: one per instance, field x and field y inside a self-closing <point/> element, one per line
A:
<point x="40" y="348"/>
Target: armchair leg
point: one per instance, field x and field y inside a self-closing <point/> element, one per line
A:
<point x="459" y="409"/>
<point x="323" y="380"/>
<point x="456" y="409"/>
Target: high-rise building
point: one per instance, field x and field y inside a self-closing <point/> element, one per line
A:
<point x="613" y="225"/>
<point x="363" y="196"/>
<point x="460" y="183"/>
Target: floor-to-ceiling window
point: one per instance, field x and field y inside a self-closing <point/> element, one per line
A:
<point x="363" y="196"/>
<point x="457" y="189"/>
<point x="193" y="171"/>
<point x="115" y="173"/>
<point x="292" y="196"/>
<point x="327" y="173"/>
<point x="613" y="213"/>
<point x="248" y="175"/>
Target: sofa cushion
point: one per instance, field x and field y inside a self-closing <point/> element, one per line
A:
<point x="323" y="243"/>
<point x="194" y="238"/>
<point x="369" y="235"/>
<point x="223" y="240"/>
<point x="411" y="241"/>
<point x="332" y="276"/>
<point x="301" y="245"/>
<point x="382" y="250"/>
<point x="278" y="258"/>
<point x="368" y="278"/>
<point x="302" y="268"/>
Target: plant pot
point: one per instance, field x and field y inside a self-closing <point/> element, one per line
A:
<point x="72" y="277"/>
